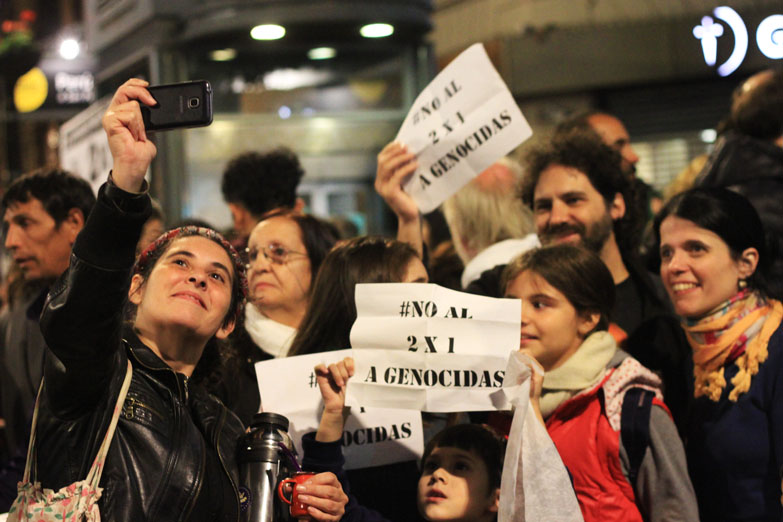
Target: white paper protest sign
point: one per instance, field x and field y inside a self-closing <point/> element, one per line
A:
<point x="372" y="437"/>
<point x="422" y="346"/>
<point x="461" y="123"/>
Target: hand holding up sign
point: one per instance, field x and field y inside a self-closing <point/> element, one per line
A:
<point x="332" y="382"/>
<point x="395" y="165"/>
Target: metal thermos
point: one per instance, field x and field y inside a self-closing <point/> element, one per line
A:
<point x="262" y="464"/>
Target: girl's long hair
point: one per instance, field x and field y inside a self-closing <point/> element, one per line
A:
<point x="332" y="310"/>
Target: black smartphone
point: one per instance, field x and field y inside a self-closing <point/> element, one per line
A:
<point x="180" y="105"/>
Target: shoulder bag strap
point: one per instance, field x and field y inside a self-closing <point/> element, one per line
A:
<point x="31" y="444"/>
<point x="94" y="476"/>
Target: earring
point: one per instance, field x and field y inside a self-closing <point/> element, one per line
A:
<point x="742" y="283"/>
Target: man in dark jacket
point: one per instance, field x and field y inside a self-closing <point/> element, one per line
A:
<point x="43" y="213"/>
<point x="749" y="158"/>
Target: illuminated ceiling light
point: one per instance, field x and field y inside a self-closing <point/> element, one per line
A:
<point x="223" y="55"/>
<point x="69" y="49"/>
<point x="376" y="30"/>
<point x="284" y="112"/>
<point x="267" y="32"/>
<point x="289" y="79"/>
<point x="322" y="53"/>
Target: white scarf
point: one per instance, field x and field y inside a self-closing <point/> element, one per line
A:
<point x="580" y="372"/>
<point x="270" y="336"/>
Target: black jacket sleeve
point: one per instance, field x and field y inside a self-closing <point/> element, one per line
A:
<point x="82" y="318"/>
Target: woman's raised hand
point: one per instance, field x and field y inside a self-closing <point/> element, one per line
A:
<point x="332" y="382"/>
<point x="130" y="147"/>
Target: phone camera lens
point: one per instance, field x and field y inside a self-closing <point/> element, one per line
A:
<point x="193" y="103"/>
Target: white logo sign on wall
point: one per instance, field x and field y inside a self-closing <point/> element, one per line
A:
<point x="769" y="38"/>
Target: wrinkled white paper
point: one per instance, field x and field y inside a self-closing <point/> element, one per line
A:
<point x="372" y="437"/>
<point x="425" y="347"/>
<point x="535" y="484"/>
<point x="461" y="123"/>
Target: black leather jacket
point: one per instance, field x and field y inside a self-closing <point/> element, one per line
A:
<point x="155" y="468"/>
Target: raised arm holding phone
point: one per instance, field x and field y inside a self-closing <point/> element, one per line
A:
<point x="172" y="456"/>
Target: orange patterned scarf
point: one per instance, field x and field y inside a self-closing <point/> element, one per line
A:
<point x="737" y="332"/>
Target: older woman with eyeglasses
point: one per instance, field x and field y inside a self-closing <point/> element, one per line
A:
<point x="284" y="252"/>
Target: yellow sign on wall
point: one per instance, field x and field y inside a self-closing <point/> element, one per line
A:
<point x="30" y="90"/>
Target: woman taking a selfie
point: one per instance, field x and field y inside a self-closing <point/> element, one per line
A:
<point x="714" y="263"/>
<point x="172" y="456"/>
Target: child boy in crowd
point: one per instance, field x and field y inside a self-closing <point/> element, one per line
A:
<point x="461" y="466"/>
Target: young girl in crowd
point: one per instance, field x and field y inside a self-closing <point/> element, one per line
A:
<point x="460" y="471"/>
<point x="567" y="293"/>
<point x="172" y="456"/>
<point x="332" y="310"/>
<point x="714" y="265"/>
<point x="327" y="326"/>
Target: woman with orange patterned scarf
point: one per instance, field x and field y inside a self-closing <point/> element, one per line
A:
<point x="714" y="260"/>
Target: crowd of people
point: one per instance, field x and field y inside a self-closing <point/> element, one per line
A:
<point x="662" y="390"/>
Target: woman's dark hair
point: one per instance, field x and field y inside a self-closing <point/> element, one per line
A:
<point x="318" y="236"/>
<point x="327" y="323"/>
<point x="731" y="217"/>
<point x="475" y="439"/>
<point x="577" y="273"/>
<point x="216" y="353"/>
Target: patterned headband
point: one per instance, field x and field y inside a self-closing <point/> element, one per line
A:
<point x="156" y="248"/>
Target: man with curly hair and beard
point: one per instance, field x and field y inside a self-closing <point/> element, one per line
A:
<point x="579" y="194"/>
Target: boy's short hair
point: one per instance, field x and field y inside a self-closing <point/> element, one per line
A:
<point x="475" y="439"/>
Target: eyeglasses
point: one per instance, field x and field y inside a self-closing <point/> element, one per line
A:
<point x="273" y="252"/>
